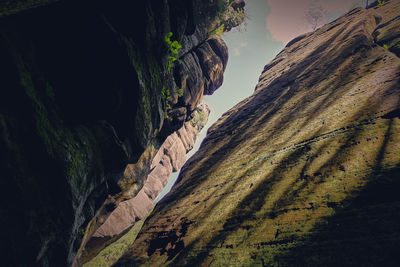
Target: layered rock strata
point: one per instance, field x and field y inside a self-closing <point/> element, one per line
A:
<point x="169" y="158"/>
<point x="200" y="72"/>
<point x="85" y="91"/>
<point x="305" y="172"/>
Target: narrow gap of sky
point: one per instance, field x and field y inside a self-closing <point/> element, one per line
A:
<point x="271" y="24"/>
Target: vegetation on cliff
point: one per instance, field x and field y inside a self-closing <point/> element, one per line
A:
<point x="81" y="99"/>
<point x="302" y="173"/>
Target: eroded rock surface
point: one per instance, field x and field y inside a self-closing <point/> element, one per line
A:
<point x="202" y="71"/>
<point x="85" y="91"/>
<point x="305" y="172"/>
<point x="169" y="158"/>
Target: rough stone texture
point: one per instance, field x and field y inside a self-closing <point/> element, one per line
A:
<point x="212" y="66"/>
<point x="80" y="99"/>
<point x="387" y="34"/>
<point x="169" y="158"/>
<point x="202" y="71"/>
<point x="305" y="172"/>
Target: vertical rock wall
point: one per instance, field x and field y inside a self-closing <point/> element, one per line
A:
<point x="169" y="158"/>
<point x="85" y="91"/>
<point x="305" y="172"/>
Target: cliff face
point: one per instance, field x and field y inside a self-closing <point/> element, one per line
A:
<point x="305" y="172"/>
<point x="169" y="158"/>
<point x="85" y="91"/>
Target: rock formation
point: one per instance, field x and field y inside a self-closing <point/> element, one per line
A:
<point x="169" y="158"/>
<point x="200" y="72"/>
<point x="85" y="91"/>
<point x="305" y="172"/>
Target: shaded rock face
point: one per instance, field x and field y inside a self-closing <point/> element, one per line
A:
<point x="202" y="71"/>
<point x="196" y="76"/>
<point x="80" y="99"/>
<point x="305" y="172"/>
<point x="387" y="34"/>
<point x="169" y="158"/>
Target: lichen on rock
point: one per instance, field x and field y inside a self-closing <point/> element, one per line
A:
<point x="80" y="99"/>
<point x="304" y="172"/>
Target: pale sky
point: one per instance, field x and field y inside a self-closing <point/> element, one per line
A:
<point x="287" y="17"/>
<point x="271" y="24"/>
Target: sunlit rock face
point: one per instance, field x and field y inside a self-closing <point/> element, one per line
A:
<point x="305" y="172"/>
<point x="169" y="158"/>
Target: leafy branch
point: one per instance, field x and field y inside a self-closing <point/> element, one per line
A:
<point x="173" y="47"/>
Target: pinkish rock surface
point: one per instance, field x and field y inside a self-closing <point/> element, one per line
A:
<point x="305" y="172"/>
<point x="170" y="158"/>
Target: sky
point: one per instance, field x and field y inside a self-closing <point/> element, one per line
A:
<point x="271" y="24"/>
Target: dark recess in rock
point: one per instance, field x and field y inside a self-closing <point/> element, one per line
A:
<point x="80" y="98"/>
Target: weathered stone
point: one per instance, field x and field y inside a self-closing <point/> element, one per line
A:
<point x="81" y="98"/>
<point x="169" y="158"/>
<point x="387" y="34"/>
<point x="211" y="62"/>
<point x="305" y="172"/>
<point x="220" y="49"/>
<point x="191" y="82"/>
<point x="201" y="71"/>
